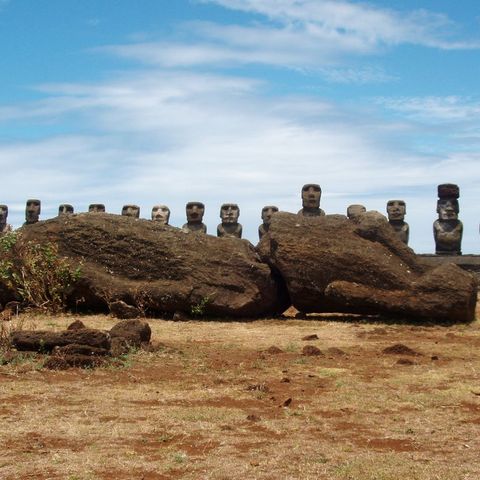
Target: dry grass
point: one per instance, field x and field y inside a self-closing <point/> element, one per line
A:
<point x="209" y="405"/>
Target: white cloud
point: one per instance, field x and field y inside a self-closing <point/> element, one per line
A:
<point x="174" y="137"/>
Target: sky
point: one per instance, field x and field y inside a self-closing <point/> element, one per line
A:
<point x="241" y="101"/>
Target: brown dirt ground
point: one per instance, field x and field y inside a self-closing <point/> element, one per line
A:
<point x="209" y="403"/>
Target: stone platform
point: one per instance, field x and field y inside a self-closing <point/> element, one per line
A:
<point x="470" y="263"/>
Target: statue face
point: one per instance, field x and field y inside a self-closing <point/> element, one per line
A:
<point x="32" y="211"/>
<point x="195" y="212"/>
<point x="229" y="213"/>
<point x="96" y="208"/>
<point x="161" y="214"/>
<point x="311" y="193"/>
<point x="354" y="211"/>
<point x="396" y="210"/>
<point x="65" y="209"/>
<point x="447" y="209"/>
<point x="131" y="211"/>
<point x="3" y="213"/>
<point x="267" y="213"/>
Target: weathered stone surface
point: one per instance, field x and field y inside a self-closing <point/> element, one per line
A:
<point x="135" y="332"/>
<point x="44" y="341"/>
<point x="64" y="362"/>
<point x="120" y="309"/>
<point x="360" y="266"/>
<point x="162" y="268"/>
<point x="76" y="325"/>
<point x="76" y="349"/>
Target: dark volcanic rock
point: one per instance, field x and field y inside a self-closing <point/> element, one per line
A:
<point x="330" y="264"/>
<point x="63" y="362"/>
<point x="161" y="268"/>
<point x="44" y="341"/>
<point x="120" y="309"/>
<point x="135" y="332"/>
<point x="76" y="325"/>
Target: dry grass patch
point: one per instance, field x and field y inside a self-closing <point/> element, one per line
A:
<point x="213" y="402"/>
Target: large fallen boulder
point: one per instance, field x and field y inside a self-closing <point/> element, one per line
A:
<point x="160" y="268"/>
<point x="332" y="264"/>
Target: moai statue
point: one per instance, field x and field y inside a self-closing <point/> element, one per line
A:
<point x="96" y="208"/>
<point x="195" y="212"/>
<point x="161" y="214"/>
<point x="131" y="211"/>
<point x="32" y="211"/>
<point x="396" y="210"/>
<point x="448" y="229"/>
<point x="353" y="211"/>
<point x="65" y="209"/>
<point x="229" y="213"/>
<point x="267" y="213"/>
<point x="4" y="226"/>
<point x="311" y="194"/>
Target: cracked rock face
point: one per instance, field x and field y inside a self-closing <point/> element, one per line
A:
<point x="162" y="268"/>
<point x="331" y="264"/>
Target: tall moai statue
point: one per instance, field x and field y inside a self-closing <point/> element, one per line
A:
<point x="448" y="229"/>
<point x="131" y="211"/>
<point x="311" y="195"/>
<point x="195" y="212"/>
<point x="267" y="213"/>
<point x="96" y="208"/>
<point x="353" y="211"/>
<point x="32" y="211"/>
<point x="161" y="214"/>
<point x="65" y="209"/>
<point x="229" y="213"/>
<point x="4" y="226"/>
<point x="396" y="211"/>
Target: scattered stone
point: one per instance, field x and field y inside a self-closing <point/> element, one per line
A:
<point x="76" y="325"/>
<point x="64" y="362"/>
<point x="285" y="380"/>
<point x="45" y="341"/>
<point x="259" y="387"/>
<point x="135" y="332"/>
<point x="310" y="337"/>
<point x="399" y="349"/>
<point x="253" y="418"/>
<point x="119" y="346"/>
<point x="273" y="350"/>
<point x="76" y="349"/>
<point x="311" y="351"/>
<point x="434" y="357"/>
<point x="180" y="316"/>
<point x="406" y="361"/>
<point x="120" y="309"/>
<point x="287" y="402"/>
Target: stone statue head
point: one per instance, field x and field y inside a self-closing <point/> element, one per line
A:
<point x="3" y="214"/>
<point x="65" y="209"/>
<point x="229" y="213"/>
<point x="355" y="210"/>
<point x="96" y="208"/>
<point x="131" y="211"/>
<point x="32" y="211"/>
<point x="195" y="212"/>
<point x="396" y="210"/>
<point x="161" y="214"/>
<point x="447" y="204"/>
<point x="267" y="213"/>
<point x="447" y="209"/>
<point x="311" y="194"/>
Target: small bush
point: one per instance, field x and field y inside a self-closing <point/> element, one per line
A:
<point x="36" y="272"/>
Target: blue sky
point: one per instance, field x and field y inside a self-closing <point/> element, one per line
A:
<point x="162" y="101"/>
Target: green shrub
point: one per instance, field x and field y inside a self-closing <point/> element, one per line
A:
<point x="36" y="272"/>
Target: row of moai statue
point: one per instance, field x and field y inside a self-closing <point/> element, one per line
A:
<point x="447" y="229"/>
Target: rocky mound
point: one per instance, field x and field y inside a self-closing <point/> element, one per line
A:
<point x="331" y="264"/>
<point x="161" y="268"/>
